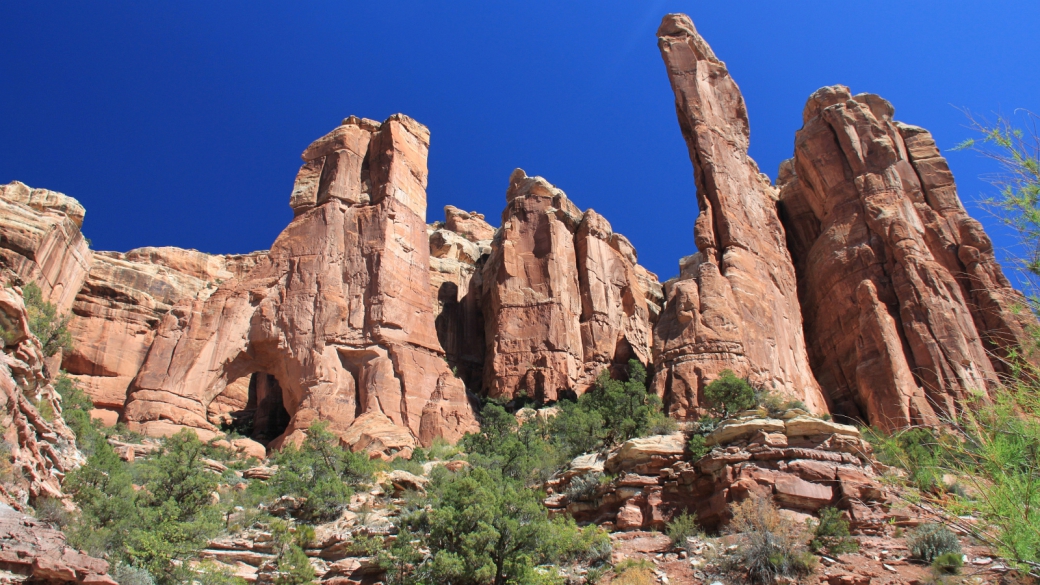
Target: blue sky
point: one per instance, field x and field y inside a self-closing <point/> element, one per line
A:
<point x="182" y="123"/>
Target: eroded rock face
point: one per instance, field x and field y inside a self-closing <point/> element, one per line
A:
<point x="563" y="296"/>
<point x="903" y="299"/>
<point x="803" y="463"/>
<point x="337" y="315"/>
<point x="33" y="552"/>
<point x="459" y="247"/>
<point x="121" y="305"/>
<point x="41" y="448"/>
<point x="40" y="241"/>
<point x="735" y="306"/>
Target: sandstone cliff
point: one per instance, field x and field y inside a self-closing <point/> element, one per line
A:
<point x="40" y="241"/>
<point x="120" y="306"/>
<point x="735" y="306"/>
<point x="906" y="309"/>
<point x="563" y="296"/>
<point x="335" y="322"/>
<point x="37" y="447"/>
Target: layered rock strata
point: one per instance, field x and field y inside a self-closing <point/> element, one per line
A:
<point x="907" y="312"/>
<point x="40" y="241"/>
<point x="803" y="463"/>
<point x="120" y="306"/>
<point x="563" y="296"/>
<point x="33" y="552"/>
<point x="337" y="316"/>
<point x="736" y="304"/>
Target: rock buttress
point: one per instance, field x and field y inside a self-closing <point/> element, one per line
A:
<point x="563" y="297"/>
<point x="337" y="316"/>
<point x="906" y="310"/>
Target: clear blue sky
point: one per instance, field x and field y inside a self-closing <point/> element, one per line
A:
<point x="181" y="123"/>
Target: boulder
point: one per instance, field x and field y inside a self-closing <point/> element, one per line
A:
<point x="402" y="480"/>
<point x="730" y="431"/>
<point x="808" y="426"/>
<point x="794" y="492"/>
<point x="634" y="453"/>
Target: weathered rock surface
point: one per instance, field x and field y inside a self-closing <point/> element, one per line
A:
<point x="120" y="306"/>
<point x="563" y="296"/>
<point x="41" y="448"/>
<point x="40" y="241"/>
<point x="336" y="318"/>
<point x="735" y="306"/>
<point x="803" y="466"/>
<point x="906" y="309"/>
<point x="459" y="246"/>
<point x="32" y="552"/>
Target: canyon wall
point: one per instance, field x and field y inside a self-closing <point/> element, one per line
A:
<point x="40" y="241"/>
<point x="907" y="312"/>
<point x="735" y="306"/>
<point x="119" y="308"/>
<point x="337" y="316"/>
<point x="857" y="284"/>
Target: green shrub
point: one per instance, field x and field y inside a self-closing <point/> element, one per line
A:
<point x="831" y="534"/>
<point x="681" y="527"/>
<point x="294" y="568"/>
<point x="128" y="575"/>
<point x="729" y="394"/>
<point x="948" y="563"/>
<point x="53" y="512"/>
<point x="930" y="541"/>
<point x="582" y="488"/>
<point x="769" y="545"/>
<point x="697" y="447"/>
<point x="321" y="472"/>
<point x="45" y="323"/>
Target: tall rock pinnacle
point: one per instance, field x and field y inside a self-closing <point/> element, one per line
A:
<point x="736" y="305"/>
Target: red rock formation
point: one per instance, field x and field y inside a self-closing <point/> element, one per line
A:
<point x="458" y="249"/>
<point x="906" y="309"/>
<point x="563" y="297"/>
<point x="337" y="316"/>
<point x="40" y="241"/>
<point x="32" y="552"/>
<point x="736" y="305"/>
<point x="40" y="449"/>
<point x="120" y="306"/>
